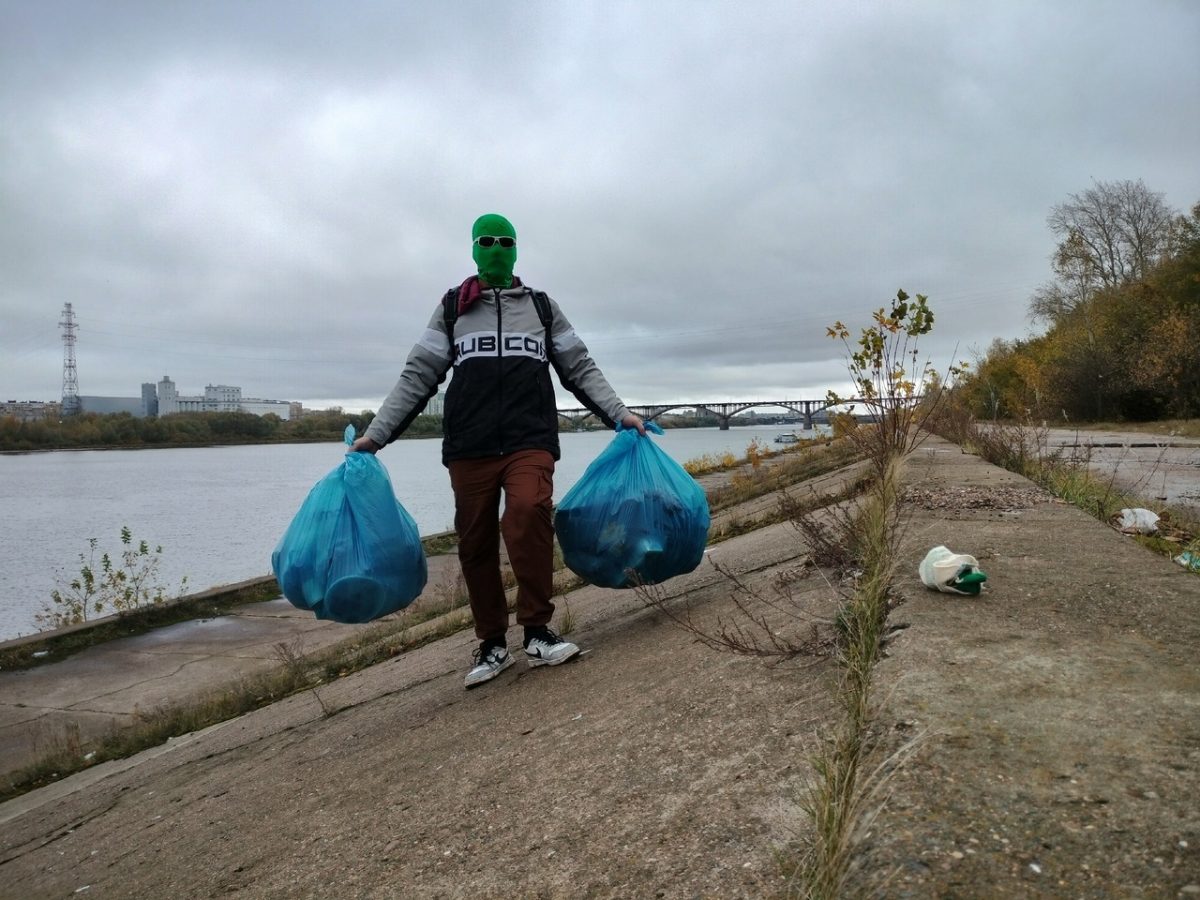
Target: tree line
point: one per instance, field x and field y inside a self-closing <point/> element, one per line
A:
<point x="91" y="430"/>
<point x="1122" y="317"/>
<point x="125" y="431"/>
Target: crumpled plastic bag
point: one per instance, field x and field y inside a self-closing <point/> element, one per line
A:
<point x="352" y="552"/>
<point x="634" y="517"/>
<point x="1137" y="521"/>
<point x="951" y="573"/>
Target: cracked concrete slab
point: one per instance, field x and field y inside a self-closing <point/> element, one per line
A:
<point x="106" y="685"/>
<point x="1058" y="714"/>
<point x="99" y="672"/>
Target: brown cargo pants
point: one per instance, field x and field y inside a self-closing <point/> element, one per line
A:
<point x="527" y="480"/>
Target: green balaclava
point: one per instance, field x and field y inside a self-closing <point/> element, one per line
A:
<point x="495" y="263"/>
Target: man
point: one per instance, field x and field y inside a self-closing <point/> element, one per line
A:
<point x="500" y="436"/>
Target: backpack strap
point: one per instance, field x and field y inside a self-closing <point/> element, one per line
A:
<point x="450" y="310"/>
<point x="450" y="315"/>
<point x="542" y="303"/>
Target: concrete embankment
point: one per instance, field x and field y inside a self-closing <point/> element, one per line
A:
<point x="1057" y="720"/>
<point x="107" y="674"/>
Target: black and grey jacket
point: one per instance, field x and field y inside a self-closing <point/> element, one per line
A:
<point x="501" y="398"/>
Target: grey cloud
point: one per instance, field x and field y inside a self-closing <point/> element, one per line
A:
<point x="275" y="195"/>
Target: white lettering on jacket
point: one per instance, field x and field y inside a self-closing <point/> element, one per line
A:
<point x="479" y="344"/>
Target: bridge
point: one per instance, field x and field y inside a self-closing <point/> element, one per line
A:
<point x="723" y="412"/>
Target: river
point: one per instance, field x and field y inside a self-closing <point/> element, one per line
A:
<point x="218" y="512"/>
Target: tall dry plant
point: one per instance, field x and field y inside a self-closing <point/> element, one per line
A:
<point x="898" y="390"/>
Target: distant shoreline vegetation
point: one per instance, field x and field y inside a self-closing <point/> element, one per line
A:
<point x="123" y="431"/>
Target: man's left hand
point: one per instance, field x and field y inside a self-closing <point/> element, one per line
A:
<point x="634" y="421"/>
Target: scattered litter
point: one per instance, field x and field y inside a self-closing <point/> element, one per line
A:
<point x="1037" y="870"/>
<point x="1190" y="560"/>
<point x="997" y="499"/>
<point x="952" y="573"/>
<point x="38" y="654"/>
<point x="1137" y="521"/>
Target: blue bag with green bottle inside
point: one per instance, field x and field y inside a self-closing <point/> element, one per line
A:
<point x="634" y="517"/>
<point x="352" y="553"/>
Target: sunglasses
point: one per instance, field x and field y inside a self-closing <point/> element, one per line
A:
<point x="487" y="241"/>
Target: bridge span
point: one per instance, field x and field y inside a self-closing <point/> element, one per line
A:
<point x="722" y="411"/>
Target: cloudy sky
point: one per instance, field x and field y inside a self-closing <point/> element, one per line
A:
<point x="275" y="194"/>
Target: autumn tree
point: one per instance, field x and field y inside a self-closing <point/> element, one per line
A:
<point x="1126" y="351"/>
<point x="1111" y="234"/>
<point x="1164" y="358"/>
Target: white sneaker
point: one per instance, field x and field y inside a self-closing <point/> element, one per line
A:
<point x="545" y="648"/>
<point x="490" y="661"/>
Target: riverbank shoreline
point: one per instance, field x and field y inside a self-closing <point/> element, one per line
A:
<point x="45" y="647"/>
<point x="218" y="512"/>
<point x="248" y="639"/>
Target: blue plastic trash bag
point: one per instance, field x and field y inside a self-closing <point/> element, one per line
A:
<point x="635" y="517"/>
<point x="352" y="553"/>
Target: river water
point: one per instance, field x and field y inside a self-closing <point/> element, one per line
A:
<point x="218" y="512"/>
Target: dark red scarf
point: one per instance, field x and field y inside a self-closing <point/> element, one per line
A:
<point x="469" y="291"/>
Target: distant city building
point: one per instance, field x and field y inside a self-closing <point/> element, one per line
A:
<point x="149" y="399"/>
<point x="216" y="398"/>
<point x="30" y="410"/>
<point x="280" y="408"/>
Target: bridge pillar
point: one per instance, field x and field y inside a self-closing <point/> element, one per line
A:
<point x="722" y="412"/>
<point x="808" y="416"/>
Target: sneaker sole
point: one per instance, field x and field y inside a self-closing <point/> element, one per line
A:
<point x="484" y="679"/>
<point x="535" y="661"/>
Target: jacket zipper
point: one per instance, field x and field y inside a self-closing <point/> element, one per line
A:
<point x="499" y="373"/>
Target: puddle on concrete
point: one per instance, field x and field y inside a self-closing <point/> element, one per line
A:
<point x="1143" y="464"/>
<point x="190" y="629"/>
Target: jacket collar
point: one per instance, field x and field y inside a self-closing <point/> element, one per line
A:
<point x="470" y="290"/>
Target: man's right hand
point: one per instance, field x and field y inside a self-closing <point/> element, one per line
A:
<point x="364" y="445"/>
